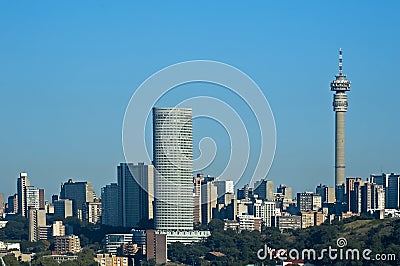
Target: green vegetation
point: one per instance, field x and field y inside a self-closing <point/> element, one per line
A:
<point x="91" y="237"/>
<point x="10" y="261"/>
<point x="16" y="229"/>
<point x="381" y="236"/>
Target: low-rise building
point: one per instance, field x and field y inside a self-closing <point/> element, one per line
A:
<point x="185" y="237"/>
<point x="110" y="260"/>
<point x="346" y="215"/>
<point x="67" y="244"/>
<point x="61" y="258"/>
<point x="5" y="246"/>
<point x="307" y="219"/>
<point x="114" y="241"/>
<point x="58" y="229"/>
<point x="249" y="222"/>
<point x="3" y="224"/>
<point x="319" y="218"/>
<point x="292" y="222"/>
<point x="45" y="232"/>
<point x="92" y="211"/>
<point x="231" y="224"/>
<point x="22" y="257"/>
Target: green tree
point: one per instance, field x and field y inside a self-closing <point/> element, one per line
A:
<point x="216" y="224"/>
<point x="86" y="258"/>
<point x="177" y="252"/>
<point x="151" y="262"/>
<point x="34" y="247"/>
<point x="69" y="263"/>
<point x="44" y="262"/>
<point x="2" y="234"/>
<point x="17" y="229"/>
<point x="10" y="260"/>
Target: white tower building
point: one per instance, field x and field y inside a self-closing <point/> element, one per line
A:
<point x="172" y="158"/>
<point x="340" y="85"/>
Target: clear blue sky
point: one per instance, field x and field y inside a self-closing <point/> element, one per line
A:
<point x="69" y="68"/>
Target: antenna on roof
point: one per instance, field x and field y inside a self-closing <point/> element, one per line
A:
<point x="340" y="62"/>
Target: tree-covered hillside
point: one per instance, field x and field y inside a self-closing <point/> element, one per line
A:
<point x="380" y="236"/>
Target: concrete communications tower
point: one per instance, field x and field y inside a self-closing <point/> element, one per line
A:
<point x="340" y="85"/>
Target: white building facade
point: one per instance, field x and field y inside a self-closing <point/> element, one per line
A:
<point x="172" y="158"/>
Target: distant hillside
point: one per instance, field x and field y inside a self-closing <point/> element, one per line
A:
<point x="380" y="236"/>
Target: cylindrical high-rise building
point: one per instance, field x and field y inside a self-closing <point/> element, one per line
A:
<point x="172" y="159"/>
<point x="340" y="85"/>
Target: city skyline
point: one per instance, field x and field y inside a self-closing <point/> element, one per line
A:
<point x="62" y="113"/>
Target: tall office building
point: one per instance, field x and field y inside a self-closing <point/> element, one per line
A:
<point x="372" y="197"/>
<point x="110" y="207"/>
<point x="13" y="204"/>
<point x="22" y="183"/>
<point x="327" y="193"/>
<point x="382" y="179"/>
<point x="308" y="201"/>
<point x="353" y="194"/>
<point x="37" y="219"/>
<point x="79" y="193"/>
<point x="54" y="198"/>
<point x="378" y="197"/>
<point x="63" y="208"/>
<point x="173" y="160"/>
<point x="197" y="198"/>
<point x="264" y="210"/>
<point x="390" y="193"/>
<point x="209" y="196"/>
<point x="264" y="189"/>
<point x="49" y="207"/>
<point x="285" y="190"/>
<point x="41" y="198"/>
<point x="224" y="187"/>
<point x="340" y="85"/>
<point x="2" y="206"/>
<point x="366" y="195"/>
<point x="136" y="193"/>
<point x="32" y="198"/>
<point x="393" y="192"/>
<point x="214" y="192"/>
<point x="244" y="193"/>
<point x="92" y="212"/>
